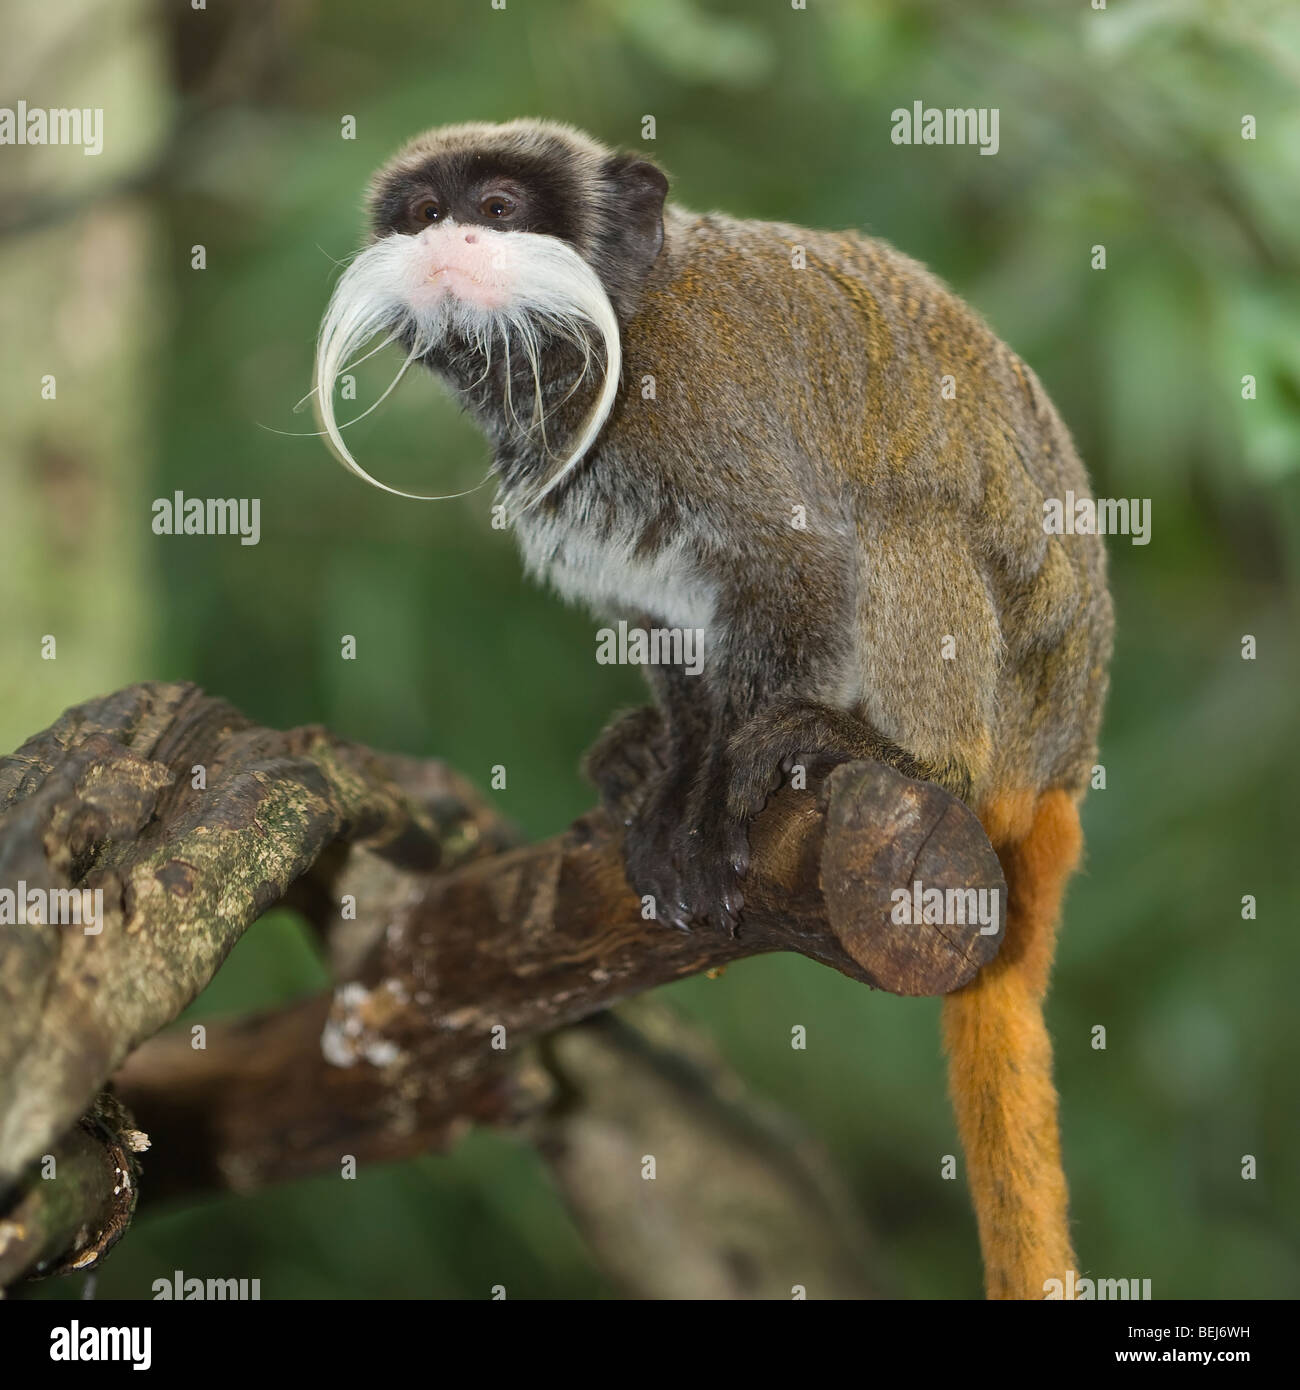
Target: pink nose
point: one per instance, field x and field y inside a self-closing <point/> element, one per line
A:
<point x="469" y="266"/>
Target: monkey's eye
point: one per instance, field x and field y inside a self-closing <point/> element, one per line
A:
<point x="498" y="206"/>
<point x="428" y="210"/>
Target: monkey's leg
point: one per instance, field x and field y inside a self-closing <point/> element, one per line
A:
<point x="1000" y="1056"/>
<point x="644" y="765"/>
<point x="639" y="746"/>
<point x="628" y="758"/>
<point x="781" y="643"/>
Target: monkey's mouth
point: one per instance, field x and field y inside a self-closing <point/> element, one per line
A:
<point x="476" y="266"/>
<point x="485" y="290"/>
<point x="503" y="295"/>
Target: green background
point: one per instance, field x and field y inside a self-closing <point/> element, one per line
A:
<point x="1120" y="128"/>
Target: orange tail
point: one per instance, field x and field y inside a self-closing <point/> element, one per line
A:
<point x="1000" y="1057"/>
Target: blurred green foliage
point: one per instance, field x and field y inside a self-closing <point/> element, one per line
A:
<point x="1120" y="128"/>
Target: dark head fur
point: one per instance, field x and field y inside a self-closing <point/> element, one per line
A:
<point x="608" y="206"/>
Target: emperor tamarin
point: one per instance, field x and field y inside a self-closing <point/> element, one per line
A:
<point x="804" y="444"/>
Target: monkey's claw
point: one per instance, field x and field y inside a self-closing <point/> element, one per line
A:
<point x="650" y="860"/>
<point x="714" y="859"/>
<point x="693" y="873"/>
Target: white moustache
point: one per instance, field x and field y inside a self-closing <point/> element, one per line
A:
<point x="510" y="283"/>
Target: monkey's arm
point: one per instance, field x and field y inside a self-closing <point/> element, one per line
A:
<point x="644" y="765"/>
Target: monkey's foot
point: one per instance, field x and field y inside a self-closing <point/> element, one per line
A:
<point x="712" y="857"/>
<point x="691" y="874"/>
<point x="650" y="860"/>
<point x="626" y="761"/>
<point x="690" y="868"/>
<point x="795" y="734"/>
<point x="692" y="861"/>
<point x="709" y="854"/>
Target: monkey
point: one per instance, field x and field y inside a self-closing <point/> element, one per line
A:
<point x="807" y="446"/>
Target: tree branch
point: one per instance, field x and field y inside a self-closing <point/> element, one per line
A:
<point x="460" y="950"/>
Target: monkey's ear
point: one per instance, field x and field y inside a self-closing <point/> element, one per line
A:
<point x="636" y="203"/>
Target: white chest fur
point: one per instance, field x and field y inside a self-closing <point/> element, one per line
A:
<point x="608" y="574"/>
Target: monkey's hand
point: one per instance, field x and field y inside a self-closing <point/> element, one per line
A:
<point x="647" y="791"/>
<point x="626" y="762"/>
<point x="667" y="864"/>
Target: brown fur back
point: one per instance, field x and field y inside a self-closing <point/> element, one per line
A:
<point x="926" y="511"/>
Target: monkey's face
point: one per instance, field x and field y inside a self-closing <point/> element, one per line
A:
<point x="529" y="176"/>
<point x="491" y="246"/>
<point x="458" y="206"/>
<point x="473" y="189"/>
